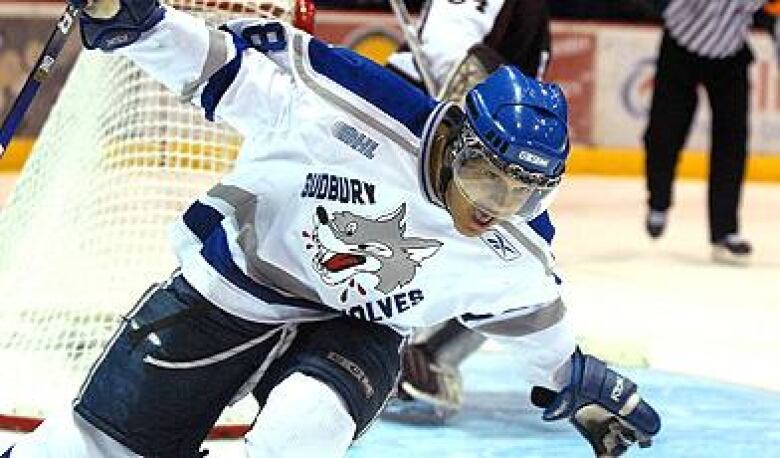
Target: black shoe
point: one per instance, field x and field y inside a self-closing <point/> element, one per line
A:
<point x="655" y="223"/>
<point x="732" y="249"/>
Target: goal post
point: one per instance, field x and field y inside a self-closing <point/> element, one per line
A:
<point x="85" y="229"/>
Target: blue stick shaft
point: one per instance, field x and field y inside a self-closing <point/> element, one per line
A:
<point x="40" y="72"/>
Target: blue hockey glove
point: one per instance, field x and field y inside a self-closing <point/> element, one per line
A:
<point x="603" y="405"/>
<point x="134" y="18"/>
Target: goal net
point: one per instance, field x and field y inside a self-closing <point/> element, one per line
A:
<point x="84" y="232"/>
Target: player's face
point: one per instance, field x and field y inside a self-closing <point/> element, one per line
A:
<point x="467" y="218"/>
<point x="485" y="189"/>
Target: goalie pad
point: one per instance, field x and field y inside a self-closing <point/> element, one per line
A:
<point x="479" y="62"/>
<point x="134" y="18"/>
<point x="603" y="405"/>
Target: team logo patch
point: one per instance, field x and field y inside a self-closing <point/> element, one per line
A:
<point x="354" y="138"/>
<point x="500" y="244"/>
<point x="346" y="244"/>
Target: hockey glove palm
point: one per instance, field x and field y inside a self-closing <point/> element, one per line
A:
<point x="603" y="405"/>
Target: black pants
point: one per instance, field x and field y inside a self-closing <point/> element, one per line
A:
<point x="678" y="75"/>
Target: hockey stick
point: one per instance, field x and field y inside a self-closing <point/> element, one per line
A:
<point x="410" y="35"/>
<point x="40" y="72"/>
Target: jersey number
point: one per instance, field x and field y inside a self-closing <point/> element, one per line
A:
<point x="266" y="37"/>
<point x="481" y="4"/>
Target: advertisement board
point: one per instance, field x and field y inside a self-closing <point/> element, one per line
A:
<point x="573" y="67"/>
<point x="606" y="70"/>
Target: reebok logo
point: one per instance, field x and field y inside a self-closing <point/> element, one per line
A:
<point x="499" y="243"/>
<point x="355" y="139"/>
<point x="617" y="390"/>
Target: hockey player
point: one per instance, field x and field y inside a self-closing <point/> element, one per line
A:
<point x="354" y="203"/>
<point x="490" y="33"/>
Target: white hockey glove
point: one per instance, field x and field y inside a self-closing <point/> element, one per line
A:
<point x="429" y="392"/>
<point x="603" y="405"/>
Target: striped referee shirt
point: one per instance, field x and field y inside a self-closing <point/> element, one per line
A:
<point x="711" y="28"/>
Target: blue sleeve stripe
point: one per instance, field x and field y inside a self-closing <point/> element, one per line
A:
<point x="373" y="83"/>
<point x="221" y="80"/>
<point x="218" y="85"/>
<point x="202" y="219"/>
<point x="217" y="253"/>
<point x="205" y="222"/>
<point x="543" y="226"/>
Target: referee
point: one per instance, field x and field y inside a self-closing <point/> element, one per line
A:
<point x="704" y="42"/>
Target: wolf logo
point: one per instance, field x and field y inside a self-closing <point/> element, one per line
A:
<point x="348" y="244"/>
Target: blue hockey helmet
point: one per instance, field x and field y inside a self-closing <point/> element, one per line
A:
<point x="512" y="147"/>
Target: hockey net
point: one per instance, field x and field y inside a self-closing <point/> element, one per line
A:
<point x="84" y="231"/>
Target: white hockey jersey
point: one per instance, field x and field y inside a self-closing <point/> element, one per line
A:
<point x="463" y="23"/>
<point x="328" y="210"/>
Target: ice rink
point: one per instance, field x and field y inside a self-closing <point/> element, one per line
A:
<point x="701" y="340"/>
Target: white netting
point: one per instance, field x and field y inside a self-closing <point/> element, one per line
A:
<point x="85" y="229"/>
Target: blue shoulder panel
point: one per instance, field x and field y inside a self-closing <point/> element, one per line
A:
<point x="375" y="84"/>
<point x="543" y="226"/>
<point x="219" y="82"/>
